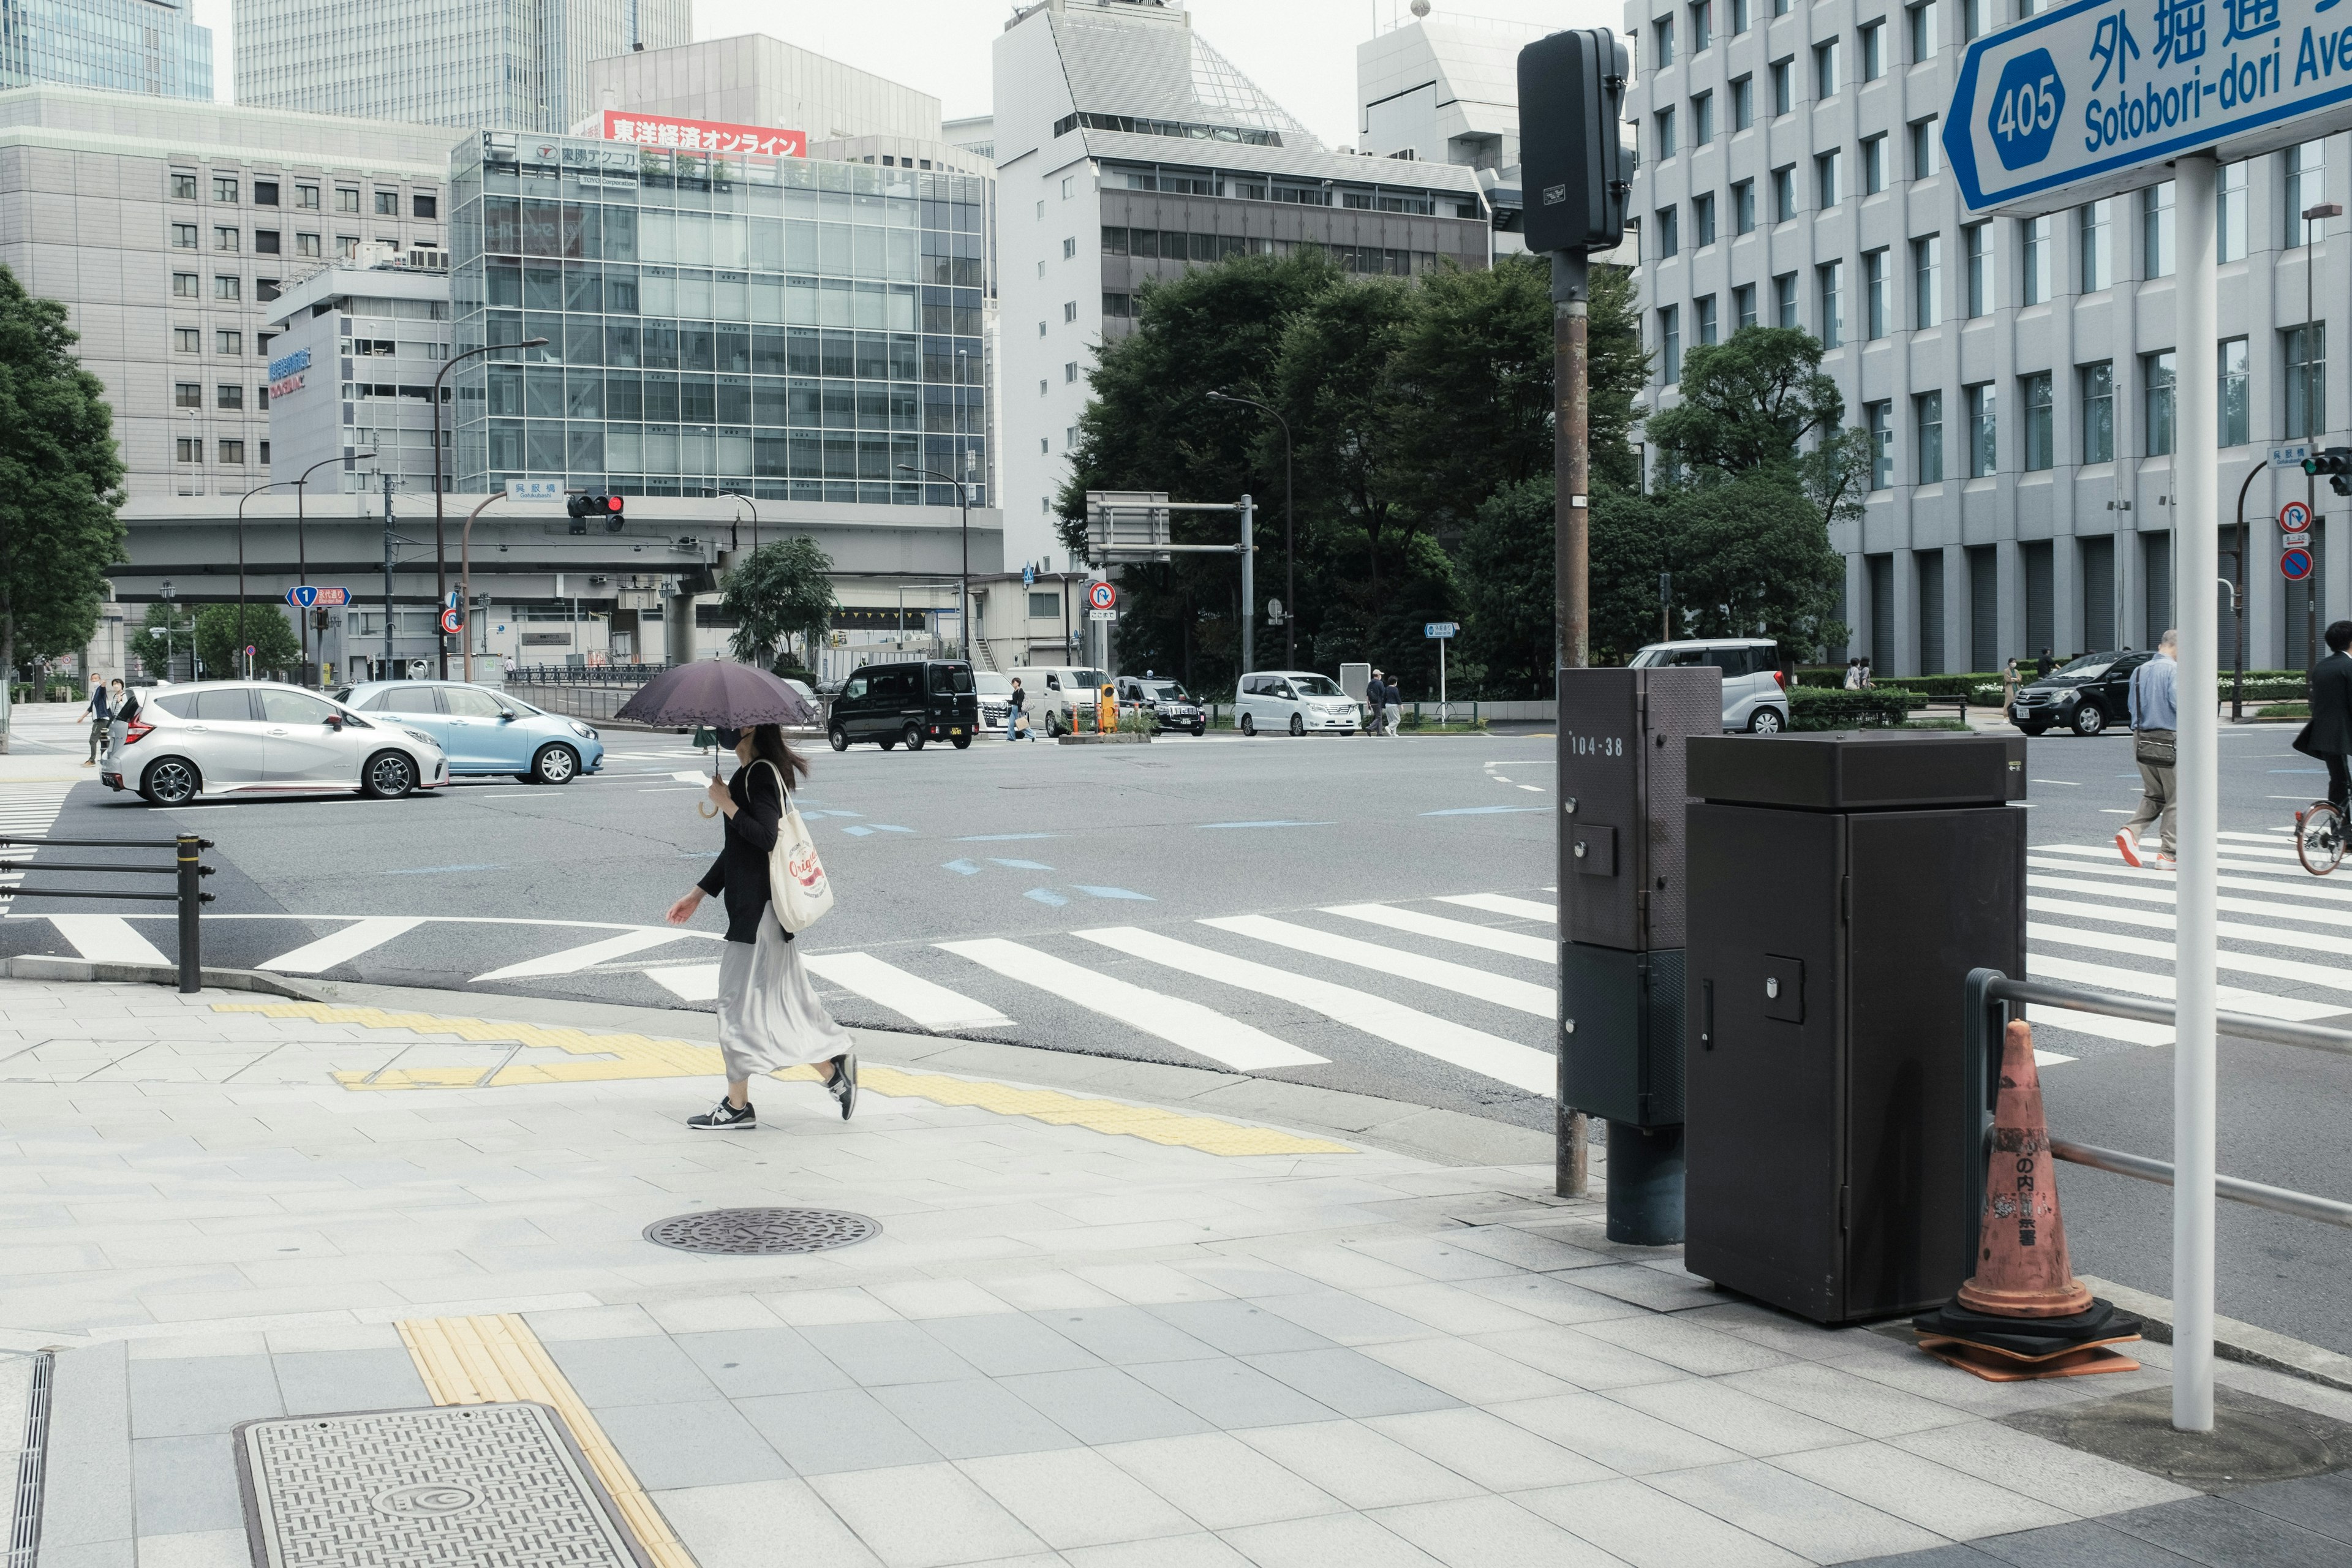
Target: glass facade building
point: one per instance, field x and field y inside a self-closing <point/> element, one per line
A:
<point x="151" y="47"/>
<point x="781" y="327"/>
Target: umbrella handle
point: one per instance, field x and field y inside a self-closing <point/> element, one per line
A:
<point x="703" y="808"/>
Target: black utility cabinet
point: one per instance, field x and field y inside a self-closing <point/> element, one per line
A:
<point x="1841" y="887"/>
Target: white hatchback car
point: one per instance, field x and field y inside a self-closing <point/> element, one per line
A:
<point x="1755" y="688"/>
<point x="256" y="737"/>
<point x="1294" y="701"/>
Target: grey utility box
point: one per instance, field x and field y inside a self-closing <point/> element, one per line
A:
<point x="1841" y="887"/>
<point x="1621" y="896"/>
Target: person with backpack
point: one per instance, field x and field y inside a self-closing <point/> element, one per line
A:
<point x="1016" y="713"/>
<point x="769" y="1014"/>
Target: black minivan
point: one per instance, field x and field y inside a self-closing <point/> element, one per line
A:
<point x="917" y="703"/>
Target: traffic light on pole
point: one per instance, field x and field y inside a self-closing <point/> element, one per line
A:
<point x="581" y="508"/>
<point x="2336" y="462"/>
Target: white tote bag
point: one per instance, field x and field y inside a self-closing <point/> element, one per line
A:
<point x="797" y="885"/>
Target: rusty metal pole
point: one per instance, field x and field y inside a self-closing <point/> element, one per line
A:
<point x="1572" y="597"/>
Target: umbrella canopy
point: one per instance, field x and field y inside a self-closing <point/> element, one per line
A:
<point x="718" y="692"/>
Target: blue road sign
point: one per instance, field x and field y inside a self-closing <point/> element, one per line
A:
<point x="1440" y="628"/>
<point x="2079" y="98"/>
<point x="2294" y="565"/>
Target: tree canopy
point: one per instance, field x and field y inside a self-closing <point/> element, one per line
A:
<point x="266" y="631"/>
<point x="779" y="592"/>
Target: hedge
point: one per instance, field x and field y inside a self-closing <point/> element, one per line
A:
<point x="1879" y="708"/>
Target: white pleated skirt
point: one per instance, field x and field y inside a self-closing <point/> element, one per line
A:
<point x="769" y="1014"/>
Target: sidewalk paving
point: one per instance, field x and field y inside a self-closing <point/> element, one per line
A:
<point x="1091" y="1331"/>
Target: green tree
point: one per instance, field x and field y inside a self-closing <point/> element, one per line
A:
<point x="1473" y="365"/>
<point x="1505" y="573"/>
<point x="60" y="481"/>
<point x="266" y="631"/>
<point x="176" y="620"/>
<point x="1616" y="369"/>
<point x="1750" y="402"/>
<point x="777" y="593"/>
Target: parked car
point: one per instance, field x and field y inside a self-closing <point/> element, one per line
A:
<point x="995" y="692"/>
<point x="2086" y="696"/>
<point x="1052" y="687"/>
<point x="1168" y="701"/>
<point x="915" y="703"/>
<point x="1754" y="687"/>
<point x="256" y="737"/>
<point x="1297" y="701"/>
<point x="483" y="731"/>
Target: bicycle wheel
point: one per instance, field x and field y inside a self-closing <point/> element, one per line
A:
<point x="2319" y="838"/>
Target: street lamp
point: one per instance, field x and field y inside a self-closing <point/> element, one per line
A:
<point x="169" y="595"/>
<point x="466" y="577"/>
<point x="747" y="501"/>
<point x="440" y="544"/>
<point x="301" y="548"/>
<point x="1289" y="536"/>
<point x="240" y="552"/>
<point x="963" y="598"/>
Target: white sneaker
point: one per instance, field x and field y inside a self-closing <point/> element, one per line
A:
<point x="2129" y="843"/>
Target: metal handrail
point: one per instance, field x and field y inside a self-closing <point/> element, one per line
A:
<point x="2279" y="1200"/>
<point x="2083" y="999"/>
<point x="187" y="867"/>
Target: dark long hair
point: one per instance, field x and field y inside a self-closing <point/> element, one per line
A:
<point x="768" y="744"/>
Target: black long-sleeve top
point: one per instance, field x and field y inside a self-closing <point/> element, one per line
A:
<point x="741" y="872"/>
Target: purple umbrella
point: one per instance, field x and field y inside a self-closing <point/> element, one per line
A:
<point x="718" y="692"/>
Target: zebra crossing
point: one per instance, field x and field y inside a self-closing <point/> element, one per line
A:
<point x="28" y="810"/>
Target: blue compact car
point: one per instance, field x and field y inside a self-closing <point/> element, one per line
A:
<point x="483" y="731"/>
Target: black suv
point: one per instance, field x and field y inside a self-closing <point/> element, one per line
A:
<point x="916" y="703"/>
<point x="2086" y="696"/>
<point x="1172" y="705"/>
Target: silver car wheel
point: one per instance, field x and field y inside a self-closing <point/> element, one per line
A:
<point x="554" y="765"/>
<point x="389" y="776"/>
<point x="171" y="783"/>
<point x="1764" y="721"/>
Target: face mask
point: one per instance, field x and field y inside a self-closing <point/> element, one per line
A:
<point x="731" y="739"/>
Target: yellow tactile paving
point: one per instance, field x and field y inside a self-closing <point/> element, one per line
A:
<point x="496" y="1360"/>
<point x="594" y="1059"/>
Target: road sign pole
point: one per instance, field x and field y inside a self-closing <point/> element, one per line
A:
<point x="1571" y="586"/>
<point x="1249" y="586"/>
<point x="2196" y="565"/>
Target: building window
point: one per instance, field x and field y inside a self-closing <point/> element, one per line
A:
<point x="1743" y="306"/>
<point x="225" y="343"/>
<point x="183" y="237"/>
<point x="2306" y="380"/>
<point x="225" y="188"/>
<point x="189" y="448"/>
<point x="1877" y="287"/>
<point x="188" y="394"/>
<point x="1927" y="436"/>
<point x="1784" y="86"/>
<point x="1874" y="165"/>
<point x="1784" y="192"/>
<point x="1669" y="227"/>
<point x="387" y="204"/>
<point x="1663" y="31"/>
<point x="1740" y="18"/>
<point x="265" y="242"/>
<point x="1069" y="248"/>
<point x="1825" y="69"/>
<point x="2229" y="213"/>
<point x="187" y="340"/>
<point x="1784" y="300"/>
<point x="183" y="187"/>
<point x="347" y="246"/>
<point x="1670" y="343"/>
<point x="1703" y="309"/>
<point x="185" y="285"/>
<point x="1873" y="53"/>
<point x="1982" y="420"/>
<point x="225" y="288"/>
<point x="1743" y="102"/>
<point x="1070" y="371"/>
<point x="1702" y="18"/>
<point x="1702" y="120"/>
<point x="424" y="206"/>
<point x="265" y="193"/>
<point x="1925" y="39"/>
<point x="2095" y="241"/>
<point x="261" y="404"/>
<point x="2098" y="386"/>
<point x="306" y="198"/>
<point x="2236" y="425"/>
<point x="1831" y="276"/>
<point x="232" y="453"/>
<point x="346" y="199"/>
<point x="2156" y="390"/>
<point x="1926" y="281"/>
<point x="1880" y="419"/>
<point x="305" y="245"/>
<point x="226" y="396"/>
<point x="1828" y="178"/>
<point x="2307" y="171"/>
<point x="2033" y="260"/>
<point x="1923" y="148"/>
<point x="2156" y="231"/>
<point x="1119" y="306"/>
<point x="1702" y="219"/>
<point x="2039" y="424"/>
<point x="1069" y="310"/>
<point x="225" y="239"/>
<point x="1743" y="207"/>
<point x="1975" y="16"/>
<point x="1975" y="241"/>
<point x="1666" y="140"/>
<point x="265" y="454"/>
<point x="265" y="290"/>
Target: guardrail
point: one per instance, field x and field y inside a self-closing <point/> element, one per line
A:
<point x="189" y="894"/>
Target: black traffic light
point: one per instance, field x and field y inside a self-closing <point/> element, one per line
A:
<point x="583" y="508"/>
<point x="1576" y="169"/>
<point x="2336" y="462"/>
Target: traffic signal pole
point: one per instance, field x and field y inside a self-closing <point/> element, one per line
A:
<point x="1571" y="567"/>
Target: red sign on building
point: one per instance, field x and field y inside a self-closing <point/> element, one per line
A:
<point x="702" y="135"/>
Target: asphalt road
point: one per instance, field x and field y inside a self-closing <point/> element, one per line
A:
<point x="1365" y="915"/>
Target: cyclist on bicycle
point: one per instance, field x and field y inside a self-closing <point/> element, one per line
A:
<point x="2328" y="736"/>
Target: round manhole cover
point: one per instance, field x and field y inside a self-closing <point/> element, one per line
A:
<point x="762" y="1230"/>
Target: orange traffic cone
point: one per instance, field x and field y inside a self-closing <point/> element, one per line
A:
<point x="2021" y="1265"/>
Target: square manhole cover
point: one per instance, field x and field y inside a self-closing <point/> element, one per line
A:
<point x="487" y="1486"/>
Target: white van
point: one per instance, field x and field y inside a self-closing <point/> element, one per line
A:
<point x="1297" y="701"/>
<point x="1049" y="689"/>
<point x="1755" y="688"/>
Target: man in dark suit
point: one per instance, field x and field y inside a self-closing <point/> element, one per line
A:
<point x="2328" y="736"/>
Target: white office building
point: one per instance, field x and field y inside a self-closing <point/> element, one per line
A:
<point x="755" y="79"/>
<point x="353" y="357"/>
<point x="2016" y="376"/>
<point x="514" y="65"/>
<point x="1127" y="149"/>
<point x="1442" y="88"/>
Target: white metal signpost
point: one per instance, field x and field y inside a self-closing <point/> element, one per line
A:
<point x="2084" y="101"/>
<point x="1442" y="633"/>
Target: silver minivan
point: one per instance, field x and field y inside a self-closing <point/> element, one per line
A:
<point x="256" y="737"/>
<point x="1755" y="688"/>
<point x="1296" y="702"/>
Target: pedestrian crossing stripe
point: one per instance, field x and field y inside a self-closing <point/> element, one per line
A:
<point x="594" y="1058"/>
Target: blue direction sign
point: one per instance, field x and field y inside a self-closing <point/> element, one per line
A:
<point x="308" y="597"/>
<point x="1439" y="629"/>
<point x="2072" y="102"/>
<point x="2294" y="564"/>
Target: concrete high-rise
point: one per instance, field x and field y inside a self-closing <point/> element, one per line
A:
<point x="1445" y="90"/>
<point x="516" y="65"/>
<point x="151" y="47"/>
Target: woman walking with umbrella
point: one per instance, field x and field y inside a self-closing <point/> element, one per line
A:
<point x="769" y="1014"/>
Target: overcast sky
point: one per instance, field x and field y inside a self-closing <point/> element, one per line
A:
<point x="1301" y="51"/>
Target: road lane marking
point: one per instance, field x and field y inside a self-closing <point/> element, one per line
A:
<point x="1488" y="810"/>
<point x="1516" y="994"/>
<point x="2146" y="982"/>
<point x="341" y="947"/>
<point x="106" y="939"/>
<point x="1518" y="944"/>
<point x="2162" y="895"/>
<point x="2304" y="886"/>
<point x="573" y="959"/>
<point x="932" y="1008"/>
<point x="686" y="981"/>
<point x="1521" y="1067"/>
<point x="2142" y="947"/>
<point x="1503" y="904"/>
<point x="1199" y="1029"/>
<point x="2269" y="936"/>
